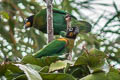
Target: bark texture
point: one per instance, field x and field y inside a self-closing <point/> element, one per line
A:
<point x="50" y="31"/>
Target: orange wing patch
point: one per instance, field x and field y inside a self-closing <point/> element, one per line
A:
<point x="63" y="39"/>
<point x="27" y="24"/>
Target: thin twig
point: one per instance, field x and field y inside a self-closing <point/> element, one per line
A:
<point x="84" y="48"/>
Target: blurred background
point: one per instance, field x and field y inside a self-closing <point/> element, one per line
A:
<point x="103" y="15"/>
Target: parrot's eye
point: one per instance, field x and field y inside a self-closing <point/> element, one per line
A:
<point x="70" y="29"/>
<point x="26" y="20"/>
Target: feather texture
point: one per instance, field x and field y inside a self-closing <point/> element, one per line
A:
<point x="59" y="22"/>
<point x="60" y="45"/>
<point x="56" y="47"/>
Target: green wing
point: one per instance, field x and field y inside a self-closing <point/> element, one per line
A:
<point x="56" y="47"/>
<point x="39" y="21"/>
<point x="84" y="26"/>
<point x="62" y="12"/>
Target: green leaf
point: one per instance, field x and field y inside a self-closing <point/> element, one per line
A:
<point x="9" y="70"/>
<point x="13" y="68"/>
<point x="44" y="61"/>
<point x="113" y="74"/>
<point x="4" y="14"/>
<point x="56" y="76"/>
<point x="82" y="60"/>
<point x="79" y="71"/>
<point x="30" y="59"/>
<point x="12" y="71"/>
<point x="9" y="75"/>
<point x="96" y="76"/>
<point x="3" y="68"/>
<point x="45" y="69"/>
<point x="58" y="65"/>
<point x="94" y="62"/>
<point x="35" y="67"/>
<point x="29" y="72"/>
<point x="95" y="59"/>
<point x="21" y="77"/>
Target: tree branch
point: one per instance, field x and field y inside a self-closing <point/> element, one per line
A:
<point x="49" y="20"/>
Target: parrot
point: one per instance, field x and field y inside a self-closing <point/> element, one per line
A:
<point x="61" y="21"/>
<point x="59" y="46"/>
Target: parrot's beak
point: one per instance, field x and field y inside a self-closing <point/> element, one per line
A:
<point x="71" y="34"/>
<point x="27" y="25"/>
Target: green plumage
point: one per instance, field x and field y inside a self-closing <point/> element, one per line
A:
<point x="55" y="47"/>
<point x="82" y="25"/>
<point x="60" y="45"/>
<point x="59" y="22"/>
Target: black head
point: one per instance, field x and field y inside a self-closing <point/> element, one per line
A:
<point x="29" y="21"/>
<point x="72" y="32"/>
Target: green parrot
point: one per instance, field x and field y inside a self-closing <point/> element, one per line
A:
<point x="60" y="45"/>
<point x="60" y="21"/>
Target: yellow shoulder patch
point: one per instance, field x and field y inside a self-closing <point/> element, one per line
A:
<point x="63" y="39"/>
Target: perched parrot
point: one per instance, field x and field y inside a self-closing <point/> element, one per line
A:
<point x="60" y="45"/>
<point x="60" y="20"/>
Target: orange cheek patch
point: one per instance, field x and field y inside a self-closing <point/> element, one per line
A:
<point x="27" y="24"/>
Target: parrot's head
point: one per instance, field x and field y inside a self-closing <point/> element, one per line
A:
<point x="29" y="21"/>
<point x="72" y="32"/>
